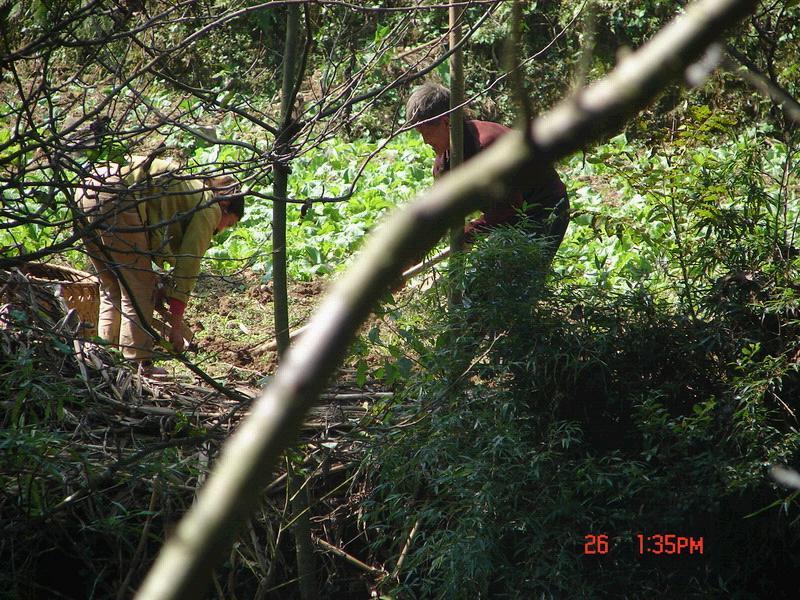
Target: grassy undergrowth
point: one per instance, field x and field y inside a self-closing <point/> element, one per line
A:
<point x="648" y="388"/>
<point x="541" y="416"/>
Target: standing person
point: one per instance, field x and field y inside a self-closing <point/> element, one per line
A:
<point x="144" y="213"/>
<point x="542" y="208"/>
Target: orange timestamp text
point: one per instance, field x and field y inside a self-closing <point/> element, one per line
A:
<point x="653" y="544"/>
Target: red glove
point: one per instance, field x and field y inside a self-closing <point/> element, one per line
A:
<point x="176" y="310"/>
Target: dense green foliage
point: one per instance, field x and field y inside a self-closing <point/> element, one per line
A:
<point x="646" y="389"/>
<point x="323" y="237"/>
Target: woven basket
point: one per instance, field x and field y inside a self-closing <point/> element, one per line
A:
<point x="79" y="290"/>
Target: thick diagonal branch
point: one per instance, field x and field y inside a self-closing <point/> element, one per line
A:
<point x="244" y="468"/>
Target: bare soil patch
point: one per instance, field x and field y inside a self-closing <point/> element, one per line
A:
<point x="233" y="315"/>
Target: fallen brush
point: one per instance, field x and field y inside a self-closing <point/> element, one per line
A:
<point x="95" y="453"/>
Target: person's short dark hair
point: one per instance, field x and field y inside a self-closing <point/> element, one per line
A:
<point x="428" y="101"/>
<point x="229" y="188"/>
<point x="236" y="206"/>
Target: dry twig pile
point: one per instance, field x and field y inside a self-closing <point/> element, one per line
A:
<point x="98" y="461"/>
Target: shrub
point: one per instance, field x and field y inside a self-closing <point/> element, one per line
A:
<point x="543" y="415"/>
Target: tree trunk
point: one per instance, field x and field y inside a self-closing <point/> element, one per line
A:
<point x="456" y="146"/>
<point x="301" y="531"/>
<point x="281" y="181"/>
<point x="303" y="545"/>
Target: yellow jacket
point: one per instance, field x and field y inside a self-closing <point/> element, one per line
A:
<point x="185" y="207"/>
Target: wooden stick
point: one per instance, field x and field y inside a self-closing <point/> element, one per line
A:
<point x="273" y="345"/>
<point x="426" y="264"/>
<point x="349" y="558"/>
<point x="350" y="397"/>
<point x="407" y="274"/>
<point x="404" y="551"/>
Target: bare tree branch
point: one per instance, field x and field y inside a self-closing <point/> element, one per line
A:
<point x="739" y="64"/>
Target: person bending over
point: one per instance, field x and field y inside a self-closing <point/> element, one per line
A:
<point x="143" y="213"/>
<point x="541" y="208"/>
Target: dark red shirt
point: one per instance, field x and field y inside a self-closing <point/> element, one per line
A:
<point x="546" y="190"/>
